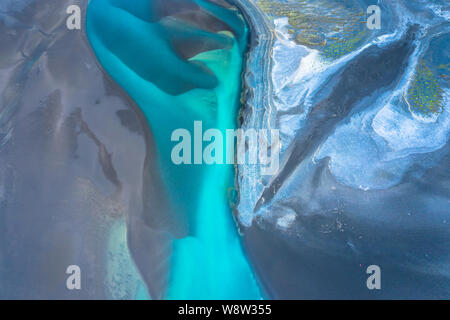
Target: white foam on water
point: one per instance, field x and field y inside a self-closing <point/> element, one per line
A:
<point x="286" y="221"/>
<point x="375" y="148"/>
<point x="406" y="134"/>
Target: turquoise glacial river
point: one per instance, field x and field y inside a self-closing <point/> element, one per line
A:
<point x="134" y="42"/>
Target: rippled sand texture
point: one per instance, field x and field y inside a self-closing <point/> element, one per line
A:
<point x="72" y="150"/>
<point x="181" y="61"/>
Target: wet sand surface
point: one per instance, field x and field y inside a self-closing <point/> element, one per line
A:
<point x="74" y="148"/>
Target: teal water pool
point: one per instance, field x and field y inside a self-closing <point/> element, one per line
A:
<point x="178" y="71"/>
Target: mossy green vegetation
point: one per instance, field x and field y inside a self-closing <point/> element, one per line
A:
<point x="334" y="28"/>
<point x="424" y="94"/>
<point x="340" y="47"/>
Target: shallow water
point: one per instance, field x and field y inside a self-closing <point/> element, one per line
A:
<point x="364" y="124"/>
<point x="134" y="46"/>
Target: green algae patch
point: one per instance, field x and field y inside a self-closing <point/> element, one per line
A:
<point x="424" y="94"/>
<point x="331" y="27"/>
<point x="339" y="47"/>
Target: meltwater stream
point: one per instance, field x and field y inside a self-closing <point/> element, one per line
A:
<point x="180" y="69"/>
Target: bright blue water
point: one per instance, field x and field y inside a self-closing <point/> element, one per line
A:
<point x="133" y="45"/>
